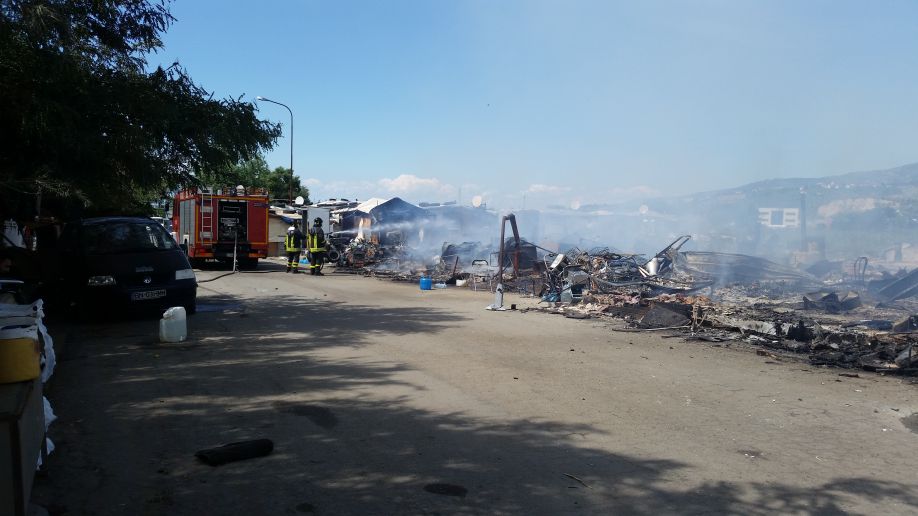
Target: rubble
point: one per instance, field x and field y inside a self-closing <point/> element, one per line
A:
<point x="775" y="316"/>
<point x="671" y="271"/>
<point x="843" y="319"/>
<point x="831" y="302"/>
<point x="907" y="325"/>
<point x="725" y="268"/>
<point x="904" y="287"/>
<point x="908" y="357"/>
<point x="662" y="315"/>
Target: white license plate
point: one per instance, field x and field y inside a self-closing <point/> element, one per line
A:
<point x="148" y="294"/>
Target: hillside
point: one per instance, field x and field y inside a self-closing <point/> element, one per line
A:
<point x="847" y="214"/>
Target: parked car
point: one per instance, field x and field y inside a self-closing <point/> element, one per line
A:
<point x="167" y="223"/>
<point x="114" y="263"/>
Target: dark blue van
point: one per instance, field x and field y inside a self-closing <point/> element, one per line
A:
<point x="117" y="263"/>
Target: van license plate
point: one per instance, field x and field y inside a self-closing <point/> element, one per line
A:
<point x="148" y="294"/>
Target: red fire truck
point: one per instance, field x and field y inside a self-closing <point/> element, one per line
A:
<point x="223" y="224"/>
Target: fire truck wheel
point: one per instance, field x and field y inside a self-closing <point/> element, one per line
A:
<point x="249" y="264"/>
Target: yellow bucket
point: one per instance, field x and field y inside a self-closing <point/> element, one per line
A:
<point x="20" y="360"/>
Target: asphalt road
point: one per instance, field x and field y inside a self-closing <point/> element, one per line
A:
<point x="384" y="399"/>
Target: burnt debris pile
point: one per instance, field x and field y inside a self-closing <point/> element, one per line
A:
<point x="851" y="322"/>
<point x="845" y="314"/>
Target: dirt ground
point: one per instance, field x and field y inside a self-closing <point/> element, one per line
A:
<point x="384" y="399"/>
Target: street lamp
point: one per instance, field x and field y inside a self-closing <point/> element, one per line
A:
<point x="290" y="189"/>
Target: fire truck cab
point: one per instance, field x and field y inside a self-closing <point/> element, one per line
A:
<point x="222" y="224"/>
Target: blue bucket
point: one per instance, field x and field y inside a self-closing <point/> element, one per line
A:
<point x="426" y="284"/>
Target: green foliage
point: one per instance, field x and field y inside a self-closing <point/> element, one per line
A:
<point x="250" y="172"/>
<point x="255" y="172"/>
<point x="280" y="183"/>
<point x="83" y="119"/>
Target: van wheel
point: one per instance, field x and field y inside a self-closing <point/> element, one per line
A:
<point x="191" y="307"/>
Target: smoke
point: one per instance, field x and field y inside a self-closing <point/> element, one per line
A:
<point x="424" y="238"/>
<point x="871" y="214"/>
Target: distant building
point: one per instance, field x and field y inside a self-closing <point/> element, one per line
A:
<point x="779" y="217"/>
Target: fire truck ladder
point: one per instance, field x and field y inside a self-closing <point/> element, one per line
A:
<point x="207" y="218"/>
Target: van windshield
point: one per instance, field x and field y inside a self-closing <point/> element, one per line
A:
<point x="125" y="237"/>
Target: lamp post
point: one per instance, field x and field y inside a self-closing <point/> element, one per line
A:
<point x="290" y="189"/>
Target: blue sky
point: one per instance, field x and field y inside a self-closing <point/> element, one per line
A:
<point x="563" y="102"/>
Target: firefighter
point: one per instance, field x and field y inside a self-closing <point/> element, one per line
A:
<point x="294" y="246"/>
<point x="315" y="239"/>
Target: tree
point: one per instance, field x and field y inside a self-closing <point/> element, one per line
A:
<point x="83" y="119"/>
<point x="252" y="172"/>
<point x="255" y="172"/>
<point x="279" y="183"/>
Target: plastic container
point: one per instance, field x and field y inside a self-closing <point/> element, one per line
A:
<point x="426" y="283"/>
<point x="20" y="360"/>
<point x="173" y="327"/>
<point x="439" y="285"/>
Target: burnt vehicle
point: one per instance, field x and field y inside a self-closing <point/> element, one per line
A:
<point x="117" y="263"/>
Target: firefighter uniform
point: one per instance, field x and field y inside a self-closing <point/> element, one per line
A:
<point x="315" y="240"/>
<point x="294" y="246"/>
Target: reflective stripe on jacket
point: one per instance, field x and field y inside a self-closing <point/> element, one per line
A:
<point x="293" y="242"/>
<point x="315" y="240"/>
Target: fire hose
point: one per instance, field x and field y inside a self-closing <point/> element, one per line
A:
<point x="234" y="272"/>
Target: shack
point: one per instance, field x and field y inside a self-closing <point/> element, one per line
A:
<point x="279" y="220"/>
<point x="384" y="221"/>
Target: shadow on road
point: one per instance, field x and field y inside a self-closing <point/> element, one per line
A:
<point x="134" y="411"/>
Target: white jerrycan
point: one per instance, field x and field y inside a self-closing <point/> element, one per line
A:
<point x="173" y="327"/>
